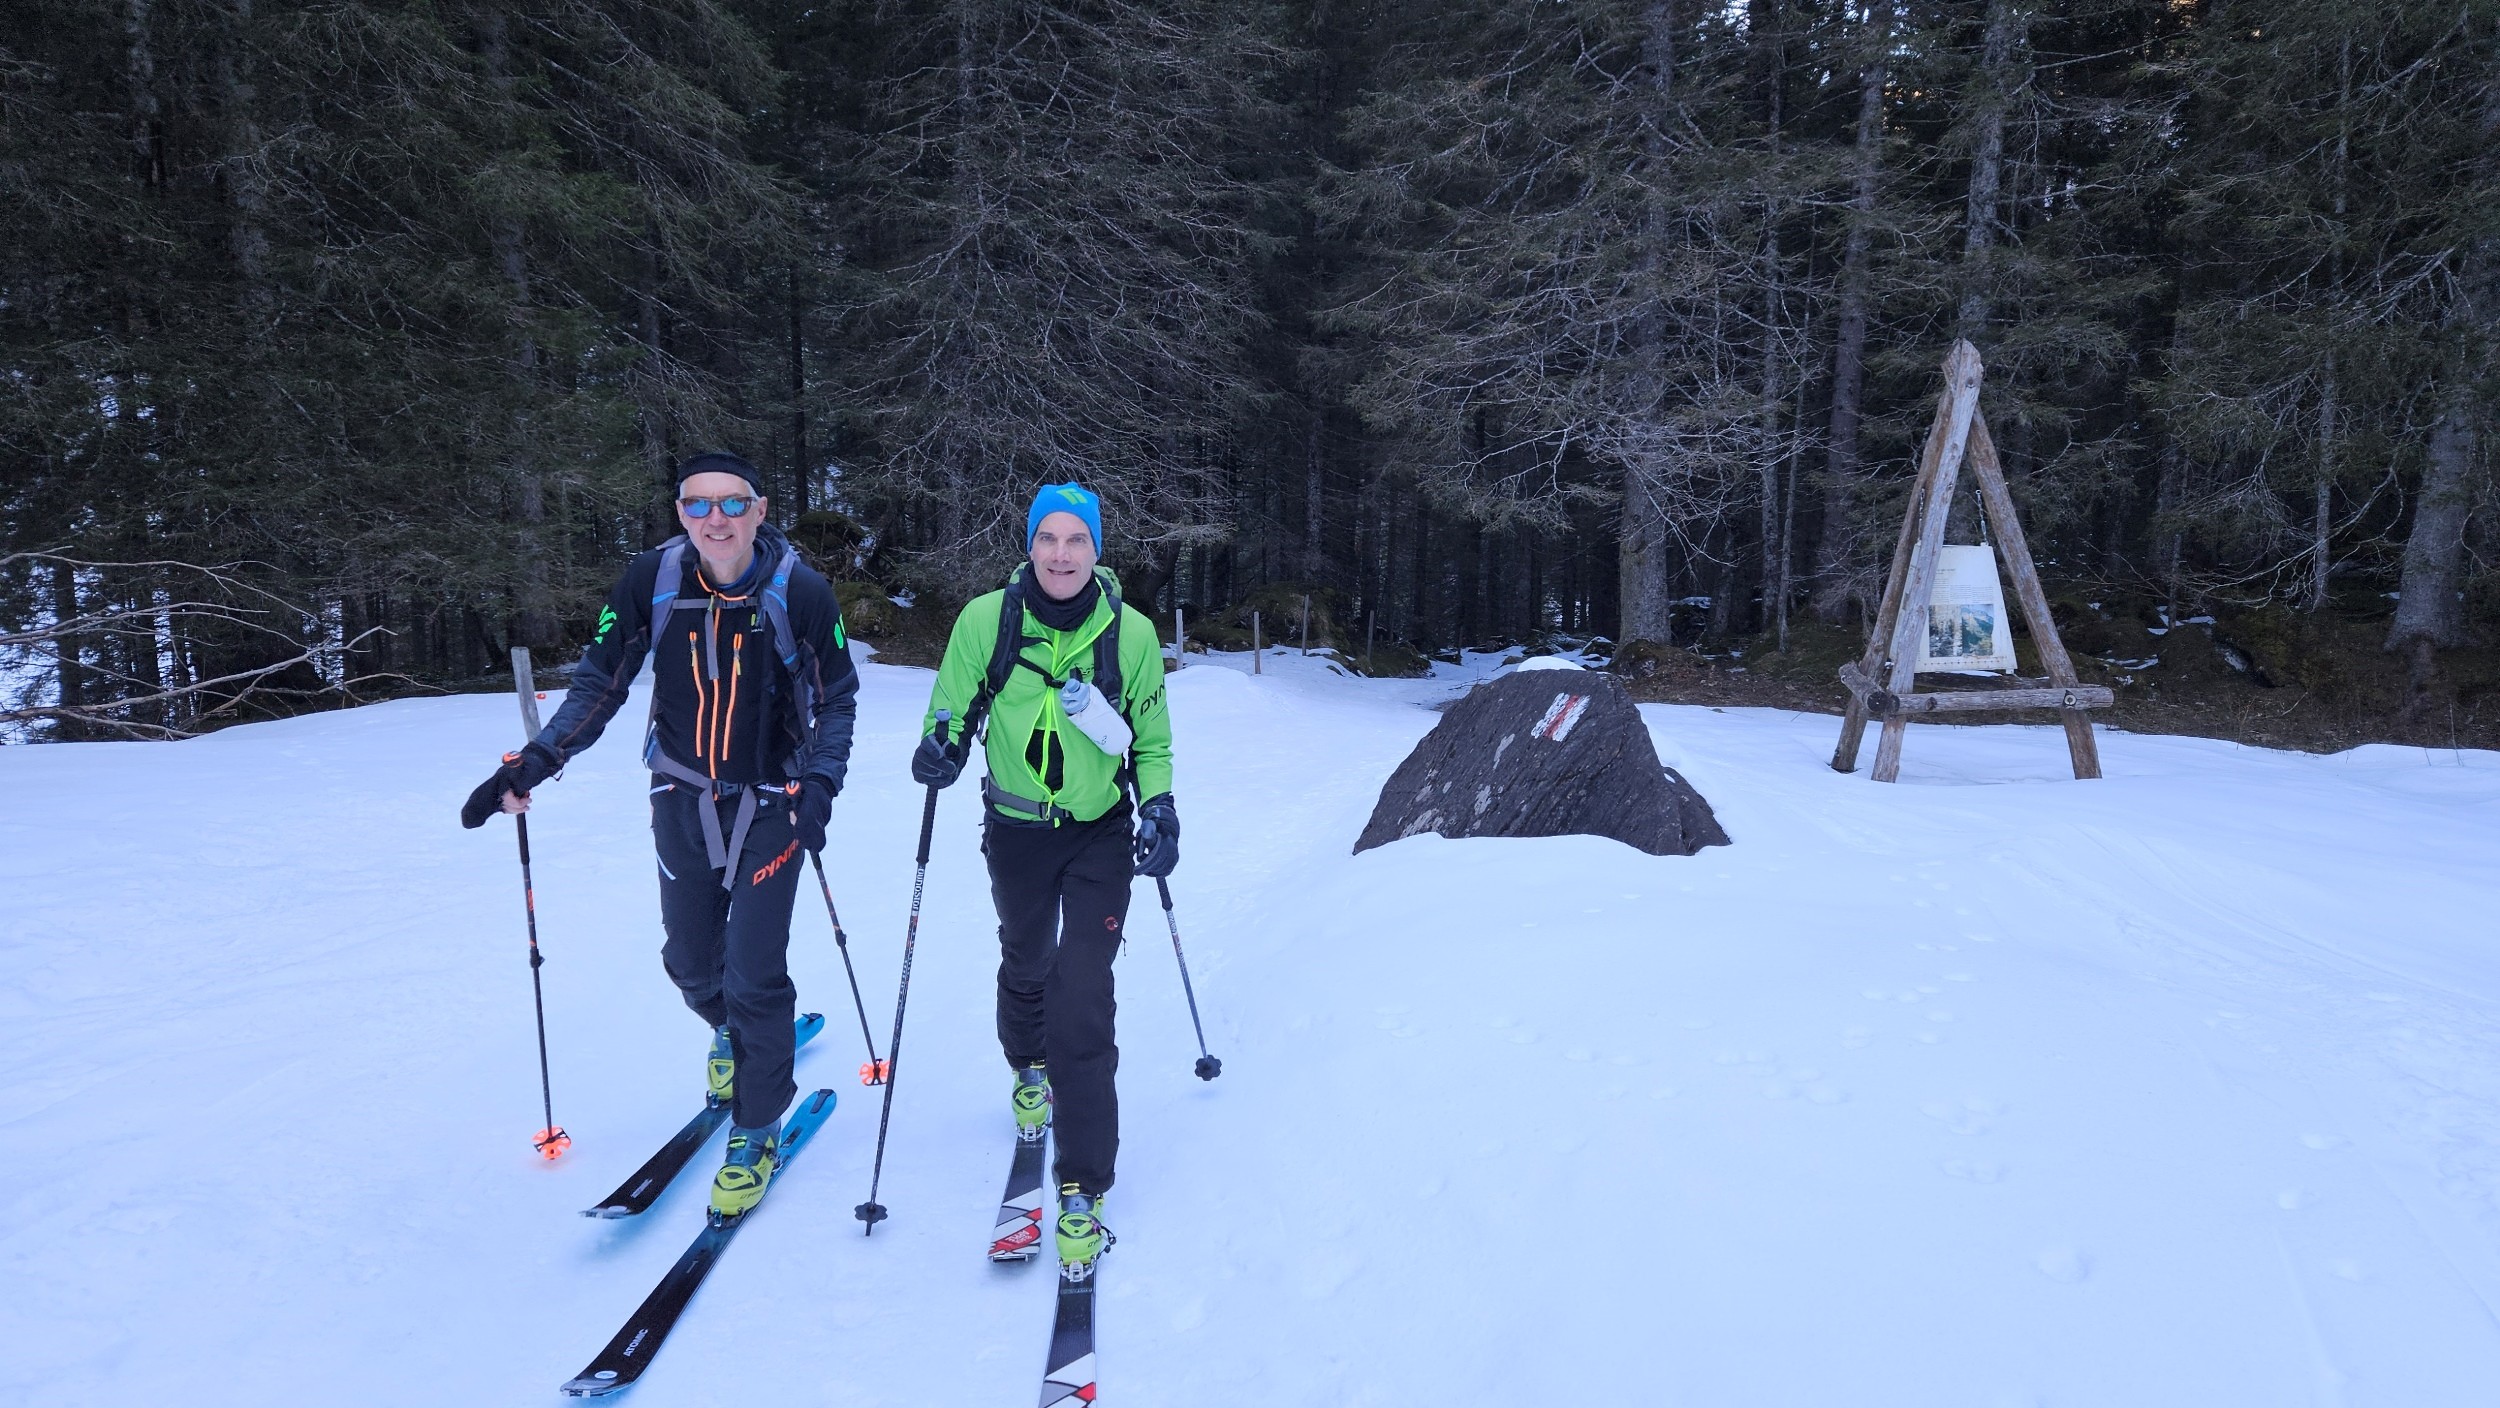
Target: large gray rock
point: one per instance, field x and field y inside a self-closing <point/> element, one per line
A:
<point x="1543" y="753"/>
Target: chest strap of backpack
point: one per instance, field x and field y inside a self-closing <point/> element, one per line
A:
<point x="723" y="851"/>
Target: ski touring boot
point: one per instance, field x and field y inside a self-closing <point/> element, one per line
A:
<point x="743" y="1176"/>
<point x="1032" y="1102"/>
<point x="720" y="1068"/>
<point x="1082" y="1237"/>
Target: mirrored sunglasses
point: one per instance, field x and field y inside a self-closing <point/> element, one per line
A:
<point x="731" y="506"/>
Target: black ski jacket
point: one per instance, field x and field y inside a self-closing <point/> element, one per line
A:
<point x="722" y="703"/>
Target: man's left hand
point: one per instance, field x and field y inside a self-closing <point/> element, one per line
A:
<point x="810" y="813"/>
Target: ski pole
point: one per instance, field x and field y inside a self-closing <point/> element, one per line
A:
<point x="550" y="1141"/>
<point x="875" y="1071"/>
<point x="1208" y="1068"/>
<point x="872" y="1212"/>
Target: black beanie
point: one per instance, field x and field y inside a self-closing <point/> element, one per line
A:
<point x="720" y="462"/>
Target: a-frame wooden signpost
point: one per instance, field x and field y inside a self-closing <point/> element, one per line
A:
<point x="1881" y="683"/>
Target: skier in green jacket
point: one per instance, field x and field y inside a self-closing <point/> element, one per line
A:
<point x="1076" y="725"/>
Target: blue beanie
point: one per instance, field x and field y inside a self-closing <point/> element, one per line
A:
<point x="1070" y="497"/>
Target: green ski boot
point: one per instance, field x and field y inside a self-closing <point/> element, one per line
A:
<point x="1032" y="1101"/>
<point x="1082" y="1237"/>
<point x="720" y="1068"/>
<point x="744" y="1175"/>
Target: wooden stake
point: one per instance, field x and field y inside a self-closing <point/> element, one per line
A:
<point x="1876" y="663"/>
<point x="1999" y="506"/>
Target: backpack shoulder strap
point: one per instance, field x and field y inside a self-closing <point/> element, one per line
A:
<point x="671" y="576"/>
<point x="1003" y="655"/>
<point x="1107" y="673"/>
<point x="1010" y="646"/>
<point x="777" y="609"/>
<point x="785" y="640"/>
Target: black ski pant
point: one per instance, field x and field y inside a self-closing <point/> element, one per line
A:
<point x="728" y="950"/>
<point x="1062" y="897"/>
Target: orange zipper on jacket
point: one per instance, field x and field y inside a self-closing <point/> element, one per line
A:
<point x="694" y="668"/>
<point x="729" y="717"/>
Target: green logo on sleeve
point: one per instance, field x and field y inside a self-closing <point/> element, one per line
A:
<point x="607" y="623"/>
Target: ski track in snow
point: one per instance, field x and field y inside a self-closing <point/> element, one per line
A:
<point x="1992" y="1088"/>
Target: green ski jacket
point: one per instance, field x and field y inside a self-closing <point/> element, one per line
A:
<point x="1034" y="751"/>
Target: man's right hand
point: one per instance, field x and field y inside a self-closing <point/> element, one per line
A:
<point x="520" y="773"/>
<point x="937" y="763"/>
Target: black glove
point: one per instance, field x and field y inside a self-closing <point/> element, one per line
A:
<point x="936" y="762"/>
<point x="811" y="811"/>
<point x="520" y="773"/>
<point x="1158" y="836"/>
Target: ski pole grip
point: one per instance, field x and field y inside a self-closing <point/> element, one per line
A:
<point x="928" y="809"/>
<point x="928" y="823"/>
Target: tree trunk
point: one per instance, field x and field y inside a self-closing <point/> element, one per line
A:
<point x="1314" y="560"/>
<point x="147" y="129"/>
<point x="2322" y="522"/>
<point x="2429" y="615"/>
<point x="533" y="618"/>
<point x="72" y="672"/>
<point x="1836" y="549"/>
<point x="2321" y="516"/>
<point x="1536" y="623"/>
<point x="650" y="397"/>
<point x="1646" y="614"/>
<point x="1774" y="388"/>
<point x="247" y="193"/>
<point x="802" y="462"/>
<point x="2003" y="70"/>
<point x="1421" y="623"/>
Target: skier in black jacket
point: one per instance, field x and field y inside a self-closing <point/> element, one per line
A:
<point x="752" y="702"/>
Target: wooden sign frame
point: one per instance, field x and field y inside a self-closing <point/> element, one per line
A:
<point x="1881" y="683"/>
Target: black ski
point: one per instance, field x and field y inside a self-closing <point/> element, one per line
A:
<point x="630" y="1352"/>
<point x="639" y="1191"/>
<point x="1070" y="1377"/>
<point x="1019" y="1232"/>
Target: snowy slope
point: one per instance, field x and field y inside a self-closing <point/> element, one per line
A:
<point x="2181" y="1087"/>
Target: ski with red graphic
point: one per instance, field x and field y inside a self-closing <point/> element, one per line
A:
<point x="1070" y="1378"/>
<point x="1021" y="1218"/>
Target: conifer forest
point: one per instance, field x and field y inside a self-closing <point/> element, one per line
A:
<point x="346" y="343"/>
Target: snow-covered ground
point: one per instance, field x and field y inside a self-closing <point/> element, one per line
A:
<point x="2176" y="1088"/>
